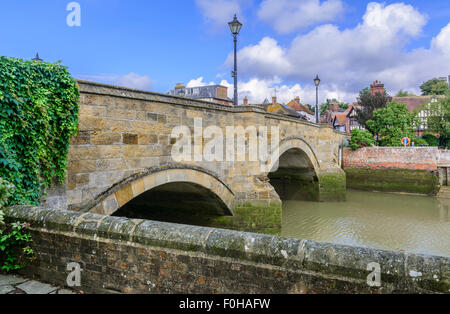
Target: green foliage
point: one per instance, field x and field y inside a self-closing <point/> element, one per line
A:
<point x="434" y="87"/>
<point x="431" y="139"/>
<point x="419" y="142"/>
<point x="326" y="106"/>
<point x="438" y="120"/>
<point x="361" y="138"/>
<point x="14" y="241"/>
<point x="393" y="123"/>
<point x="14" y="247"/>
<point x="403" y="93"/>
<point x="368" y="103"/>
<point x="6" y="190"/>
<point x="38" y="116"/>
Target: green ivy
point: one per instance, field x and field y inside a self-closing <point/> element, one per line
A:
<point x="14" y="240"/>
<point x="38" y="116"/>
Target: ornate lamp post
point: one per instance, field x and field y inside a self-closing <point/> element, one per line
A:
<point x="235" y="27"/>
<point x="317" y="83"/>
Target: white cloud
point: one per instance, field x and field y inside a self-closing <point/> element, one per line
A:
<point x="134" y="80"/>
<point x="131" y="80"/>
<point x="350" y="59"/>
<point x="265" y="59"/>
<point x="289" y="15"/>
<point x="220" y="12"/>
<point x="198" y="82"/>
<point x="442" y="41"/>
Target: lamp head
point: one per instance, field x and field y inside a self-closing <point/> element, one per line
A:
<point x="317" y="81"/>
<point x="235" y="26"/>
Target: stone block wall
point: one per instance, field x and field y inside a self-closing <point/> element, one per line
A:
<point x="119" y="255"/>
<point x="393" y="169"/>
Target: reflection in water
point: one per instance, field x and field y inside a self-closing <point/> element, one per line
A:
<point x="416" y="224"/>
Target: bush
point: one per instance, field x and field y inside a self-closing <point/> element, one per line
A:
<point x="361" y="138"/>
<point x="38" y="116"/>
<point x="419" y="142"/>
<point x="14" y="241"/>
<point x="431" y="139"/>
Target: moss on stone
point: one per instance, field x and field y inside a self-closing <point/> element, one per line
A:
<point x="250" y="218"/>
<point x="332" y="187"/>
<point x="393" y="180"/>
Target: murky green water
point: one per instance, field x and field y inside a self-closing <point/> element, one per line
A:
<point x="416" y="224"/>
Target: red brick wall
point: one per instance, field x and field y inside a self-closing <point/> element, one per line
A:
<point x="417" y="158"/>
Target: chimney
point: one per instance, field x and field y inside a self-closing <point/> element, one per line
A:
<point x="297" y="99"/>
<point x="274" y="101"/>
<point x="245" y="101"/>
<point x="377" y="88"/>
<point x="179" y="86"/>
<point x="334" y="107"/>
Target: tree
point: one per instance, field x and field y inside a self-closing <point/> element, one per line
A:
<point x="402" y="93"/>
<point x="393" y="123"/>
<point x="438" y="119"/>
<point x="326" y="106"/>
<point x="434" y="87"/>
<point x="368" y="103"/>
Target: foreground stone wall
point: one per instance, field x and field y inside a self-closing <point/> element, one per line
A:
<point x="396" y="169"/>
<point x="136" y="256"/>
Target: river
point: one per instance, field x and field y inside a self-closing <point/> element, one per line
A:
<point x="410" y="223"/>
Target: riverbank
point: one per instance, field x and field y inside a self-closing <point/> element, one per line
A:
<point x="421" y="170"/>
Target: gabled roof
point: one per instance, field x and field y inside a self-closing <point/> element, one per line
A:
<point x="341" y="117"/>
<point x="295" y="105"/>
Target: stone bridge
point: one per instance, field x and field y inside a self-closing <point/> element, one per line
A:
<point x="123" y="155"/>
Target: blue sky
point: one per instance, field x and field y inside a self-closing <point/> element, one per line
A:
<point x="155" y="44"/>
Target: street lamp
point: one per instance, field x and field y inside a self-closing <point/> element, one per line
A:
<point x="235" y="27"/>
<point x="317" y="83"/>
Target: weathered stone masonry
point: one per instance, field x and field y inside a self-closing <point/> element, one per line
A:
<point x="136" y="256"/>
<point x="124" y="149"/>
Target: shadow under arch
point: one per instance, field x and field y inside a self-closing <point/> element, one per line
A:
<point x="294" y="170"/>
<point x="184" y="179"/>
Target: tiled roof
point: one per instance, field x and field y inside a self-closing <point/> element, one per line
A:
<point x="414" y="102"/>
<point x="341" y="117"/>
<point x="295" y="105"/>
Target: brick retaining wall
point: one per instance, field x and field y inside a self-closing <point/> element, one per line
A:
<point x="136" y="256"/>
<point x="394" y="169"/>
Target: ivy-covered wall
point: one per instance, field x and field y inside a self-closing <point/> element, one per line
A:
<point x="38" y="116"/>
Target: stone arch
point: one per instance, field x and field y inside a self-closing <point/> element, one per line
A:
<point x="122" y="193"/>
<point x="294" y="170"/>
<point x="293" y="143"/>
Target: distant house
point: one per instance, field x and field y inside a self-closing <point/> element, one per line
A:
<point x="417" y="103"/>
<point x="339" y="118"/>
<point x="354" y="124"/>
<point x="303" y="110"/>
<point x="213" y="93"/>
<point x="276" y="108"/>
